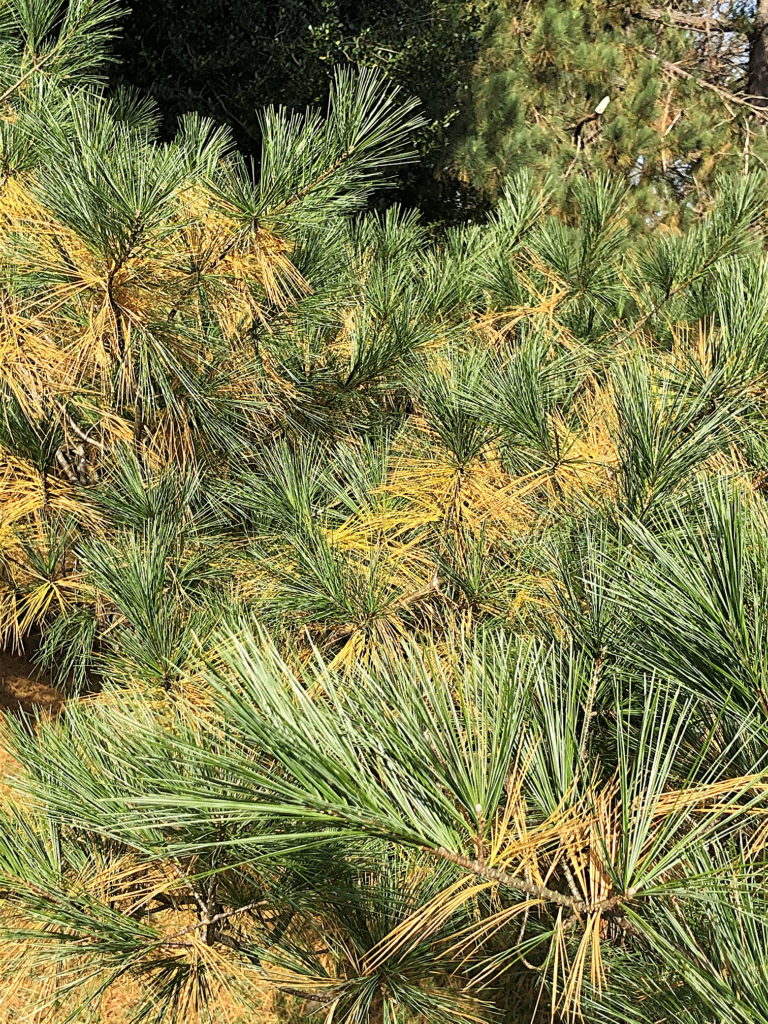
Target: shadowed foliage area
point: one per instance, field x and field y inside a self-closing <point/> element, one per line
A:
<point x="228" y="59"/>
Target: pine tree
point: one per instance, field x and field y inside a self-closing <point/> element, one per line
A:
<point x="409" y="593"/>
<point x="648" y="92"/>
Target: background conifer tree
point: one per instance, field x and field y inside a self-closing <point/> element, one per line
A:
<point x="673" y="85"/>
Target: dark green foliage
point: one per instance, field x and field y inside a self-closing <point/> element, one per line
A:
<point x="228" y="60"/>
<point x="545" y="67"/>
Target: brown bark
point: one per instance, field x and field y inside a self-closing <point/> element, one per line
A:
<point x="757" y="69"/>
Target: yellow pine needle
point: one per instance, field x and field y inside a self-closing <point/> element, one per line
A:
<point x="471" y="938"/>
<point x="573" y="971"/>
<point x="506" y="320"/>
<point x="423" y="923"/>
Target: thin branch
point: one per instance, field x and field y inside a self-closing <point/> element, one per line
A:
<point x="675" y="71"/>
<point x="693" y="22"/>
<point x="225" y="915"/>
<point x="38" y="65"/>
<point x="73" y="426"/>
<point x="316" y="183"/>
<point x="491" y="874"/>
<point x="610" y="906"/>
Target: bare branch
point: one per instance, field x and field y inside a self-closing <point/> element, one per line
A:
<point x="675" y="71"/>
<point x="693" y="22"/>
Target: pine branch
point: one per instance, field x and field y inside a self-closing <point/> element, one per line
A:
<point x="692" y="22"/>
<point x="541" y="892"/>
<point x="675" y="71"/>
<point x="80" y="28"/>
<point x="212" y="919"/>
<point x="320" y="180"/>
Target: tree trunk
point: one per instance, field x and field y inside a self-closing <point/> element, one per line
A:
<point x="757" y="71"/>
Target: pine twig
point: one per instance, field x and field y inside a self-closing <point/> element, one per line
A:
<point x="675" y="71"/>
<point x="692" y="22"/>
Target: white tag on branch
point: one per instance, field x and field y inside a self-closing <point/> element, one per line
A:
<point x="602" y="105"/>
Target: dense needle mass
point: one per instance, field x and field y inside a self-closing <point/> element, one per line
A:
<point x="408" y="586"/>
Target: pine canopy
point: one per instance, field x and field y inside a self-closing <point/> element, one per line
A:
<point x="408" y="589"/>
<point x="569" y="87"/>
